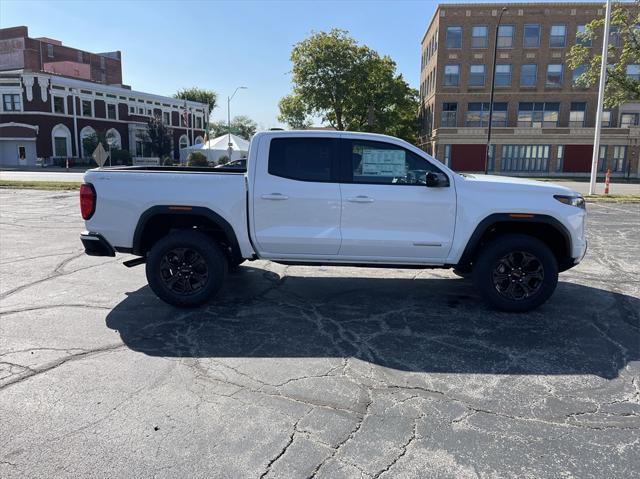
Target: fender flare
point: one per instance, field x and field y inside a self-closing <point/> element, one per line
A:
<point x="489" y="221"/>
<point x="184" y="210"/>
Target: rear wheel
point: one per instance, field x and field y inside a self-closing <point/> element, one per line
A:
<point x="516" y="273"/>
<point x="186" y="268"/>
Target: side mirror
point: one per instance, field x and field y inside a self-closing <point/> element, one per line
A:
<point x="434" y="180"/>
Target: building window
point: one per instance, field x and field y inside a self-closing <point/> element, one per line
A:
<point x="50" y="50"/>
<point x="61" y="140"/>
<point x="199" y="123"/>
<point x="559" y="163"/>
<point x="166" y="117"/>
<point x="618" y="159"/>
<point x="503" y="75"/>
<point x="633" y="72"/>
<point x="582" y="36"/>
<point x="614" y="36"/>
<point x="558" y="37"/>
<point x="628" y="119"/>
<point x="448" y="118"/>
<point x="605" y="119"/>
<point x="184" y="141"/>
<point x="538" y="114"/>
<point x="447" y="154"/>
<point x="577" y="114"/>
<point x="505" y="36"/>
<point x="476" y="75"/>
<point x="554" y="75"/>
<point x="11" y="102"/>
<point x="453" y="37"/>
<point x="59" y="105"/>
<point x="575" y="75"/>
<point x="602" y="158"/>
<point x="132" y="110"/>
<point x="531" y="36"/>
<point x="87" y="108"/>
<point x="528" y="74"/>
<point x="111" y="111"/>
<point x="478" y="114"/>
<point x="451" y="75"/>
<point x="102" y="63"/>
<point x="140" y="111"/>
<point x="479" y="37"/>
<point x="525" y="158"/>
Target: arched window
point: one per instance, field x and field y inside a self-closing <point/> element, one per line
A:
<point x="61" y="141"/>
<point x="86" y="132"/>
<point x="184" y="141"/>
<point x="115" y="136"/>
<point x="199" y="140"/>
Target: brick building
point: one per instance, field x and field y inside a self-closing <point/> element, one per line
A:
<point x="543" y="124"/>
<point x="53" y="96"/>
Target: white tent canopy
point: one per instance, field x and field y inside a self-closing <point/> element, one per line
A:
<point x="217" y="147"/>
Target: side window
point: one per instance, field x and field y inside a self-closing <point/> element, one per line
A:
<point x="384" y="163"/>
<point x="303" y="159"/>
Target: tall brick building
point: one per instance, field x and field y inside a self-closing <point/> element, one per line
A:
<point x="543" y="124"/>
<point x="53" y="96"/>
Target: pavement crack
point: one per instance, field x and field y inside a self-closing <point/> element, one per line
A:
<point x="282" y="451"/>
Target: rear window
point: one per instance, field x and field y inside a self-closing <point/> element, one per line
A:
<point x="304" y="159"/>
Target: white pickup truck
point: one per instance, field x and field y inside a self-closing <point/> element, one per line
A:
<point x="334" y="198"/>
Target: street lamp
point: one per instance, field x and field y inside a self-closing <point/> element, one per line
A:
<point x="229" y="144"/>
<point x="493" y="84"/>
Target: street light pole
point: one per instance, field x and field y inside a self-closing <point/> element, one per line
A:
<point x="603" y="79"/>
<point x="229" y="144"/>
<point x="493" y="84"/>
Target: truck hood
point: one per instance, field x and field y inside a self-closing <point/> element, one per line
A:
<point x="513" y="183"/>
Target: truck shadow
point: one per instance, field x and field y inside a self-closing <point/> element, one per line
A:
<point x="421" y="325"/>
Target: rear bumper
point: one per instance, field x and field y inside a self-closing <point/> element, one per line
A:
<point x="95" y="245"/>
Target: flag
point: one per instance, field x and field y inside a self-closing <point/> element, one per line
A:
<point x="185" y="115"/>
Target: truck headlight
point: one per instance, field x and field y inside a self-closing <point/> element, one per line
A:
<point x="577" y="201"/>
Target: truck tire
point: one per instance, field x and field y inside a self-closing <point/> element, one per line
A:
<point x="516" y="273"/>
<point x="186" y="268"/>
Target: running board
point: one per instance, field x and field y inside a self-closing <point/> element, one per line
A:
<point x="135" y="262"/>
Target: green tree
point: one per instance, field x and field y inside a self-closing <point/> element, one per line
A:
<point x="158" y="137"/>
<point x="241" y="125"/>
<point x="196" y="158"/>
<point x="619" y="88"/>
<point x="209" y="97"/>
<point x="293" y="112"/>
<point x="349" y="86"/>
<point x="90" y="142"/>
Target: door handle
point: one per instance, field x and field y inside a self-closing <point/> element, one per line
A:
<point x="275" y="196"/>
<point x="361" y="199"/>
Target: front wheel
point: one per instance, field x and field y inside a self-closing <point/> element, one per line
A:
<point x="186" y="268"/>
<point x="516" y="273"/>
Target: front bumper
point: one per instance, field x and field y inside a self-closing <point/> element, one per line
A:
<point x="95" y="245"/>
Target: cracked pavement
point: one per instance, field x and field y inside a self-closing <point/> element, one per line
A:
<point x="311" y="372"/>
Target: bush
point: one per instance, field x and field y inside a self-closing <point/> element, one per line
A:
<point x="223" y="160"/>
<point x="196" y="158"/>
<point x="166" y="161"/>
<point x="121" y="157"/>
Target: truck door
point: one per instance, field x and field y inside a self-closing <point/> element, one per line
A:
<point x="296" y="198"/>
<point x="388" y="212"/>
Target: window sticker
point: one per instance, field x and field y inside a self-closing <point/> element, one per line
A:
<point x="388" y="163"/>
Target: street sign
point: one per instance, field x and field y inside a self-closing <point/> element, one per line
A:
<point x="100" y="155"/>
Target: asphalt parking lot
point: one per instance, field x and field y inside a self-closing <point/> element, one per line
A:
<point x="311" y="372"/>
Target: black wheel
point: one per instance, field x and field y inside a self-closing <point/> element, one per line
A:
<point x="234" y="263"/>
<point x="186" y="268"/>
<point x="516" y="273"/>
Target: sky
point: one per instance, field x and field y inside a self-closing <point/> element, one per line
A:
<point x="219" y="45"/>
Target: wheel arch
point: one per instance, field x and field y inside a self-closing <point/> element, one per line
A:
<point x="158" y="221"/>
<point x="543" y="227"/>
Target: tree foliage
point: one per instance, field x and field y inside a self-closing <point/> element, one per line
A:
<point x="619" y="87"/>
<point x="350" y="87"/>
<point x="241" y="125"/>
<point x="158" y="137"/>
<point x="208" y="97"/>
<point x="196" y="158"/>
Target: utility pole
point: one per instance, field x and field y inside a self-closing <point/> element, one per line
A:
<point x="603" y="79"/>
<point x="493" y="85"/>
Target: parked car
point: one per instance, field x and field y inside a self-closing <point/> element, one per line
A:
<point x="334" y="198"/>
<point x="240" y="164"/>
